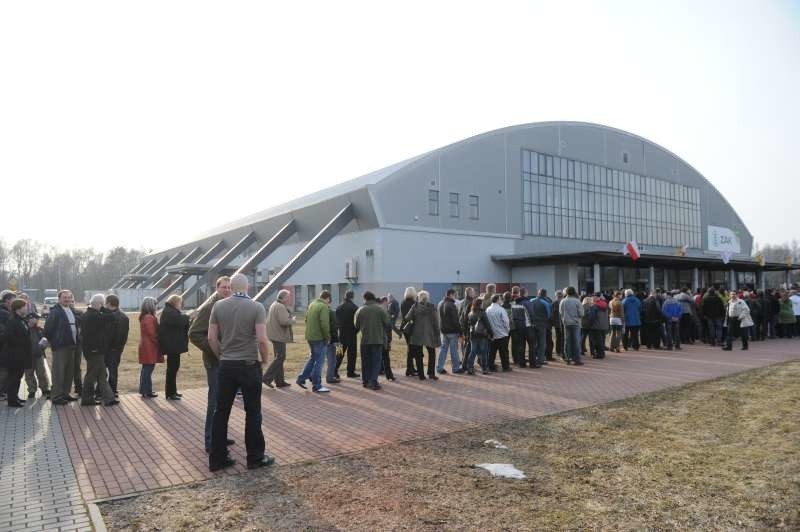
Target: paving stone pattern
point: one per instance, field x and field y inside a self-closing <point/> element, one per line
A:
<point x="38" y="486"/>
<point x="145" y="444"/>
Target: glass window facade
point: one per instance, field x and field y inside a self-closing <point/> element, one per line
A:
<point x="563" y="198"/>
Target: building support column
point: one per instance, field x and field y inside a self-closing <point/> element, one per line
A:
<point x="620" y="278"/>
<point x="652" y="278"/>
<point x="787" y="278"/>
<point x="572" y="275"/>
<point x="666" y="280"/>
<point x="761" y="280"/>
<point x="732" y="280"/>
<point x="696" y="278"/>
<point x="596" y="272"/>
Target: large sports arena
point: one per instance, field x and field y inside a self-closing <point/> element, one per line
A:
<point x="545" y="205"/>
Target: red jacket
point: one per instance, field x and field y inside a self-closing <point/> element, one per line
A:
<point x="149" y="353"/>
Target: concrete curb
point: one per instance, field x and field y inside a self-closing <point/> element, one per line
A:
<point x="97" y="518"/>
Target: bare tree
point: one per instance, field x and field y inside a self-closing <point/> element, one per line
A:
<point x="27" y="256"/>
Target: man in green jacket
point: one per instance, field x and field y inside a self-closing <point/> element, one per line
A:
<point x="318" y="336"/>
<point x="373" y="323"/>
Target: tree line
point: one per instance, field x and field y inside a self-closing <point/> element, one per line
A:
<point x="28" y="264"/>
<point x="33" y="265"/>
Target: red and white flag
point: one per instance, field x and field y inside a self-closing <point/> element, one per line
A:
<point x="632" y="249"/>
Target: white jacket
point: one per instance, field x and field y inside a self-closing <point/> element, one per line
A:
<point x="739" y="309"/>
<point x="795" y="299"/>
<point x="498" y="319"/>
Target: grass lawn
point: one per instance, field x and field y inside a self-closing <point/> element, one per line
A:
<point x="193" y="375"/>
<point x="720" y="454"/>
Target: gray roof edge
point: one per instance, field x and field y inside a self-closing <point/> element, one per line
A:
<point x="372" y="178"/>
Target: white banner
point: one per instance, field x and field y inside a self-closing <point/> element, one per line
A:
<point x="723" y="239"/>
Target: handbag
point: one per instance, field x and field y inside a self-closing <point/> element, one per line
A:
<point x="408" y="328"/>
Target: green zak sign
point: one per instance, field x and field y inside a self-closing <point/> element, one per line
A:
<point x="723" y="239"/>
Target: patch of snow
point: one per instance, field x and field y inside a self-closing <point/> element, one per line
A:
<point x="503" y="470"/>
<point x="494" y="443"/>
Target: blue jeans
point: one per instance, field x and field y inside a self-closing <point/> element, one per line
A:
<point x="449" y="342"/>
<point x="330" y="372"/>
<point x="479" y="347"/>
<point x="313" y="367"/>
<point x="231" y="376"/>
<point x="572" y="343"/>
<point x="146" y="379"/>
<point x="211" y="379"/>
<point x="715" y="331"/>
<point x="371" y="362"/>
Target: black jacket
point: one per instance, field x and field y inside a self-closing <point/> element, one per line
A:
<point x="651" y="310"/>
<point x="448" y="316"/>
<point x="119" y="332"/>
<point x="346" y="318"/>
<point x="16" y="352"/>
<point x="5" y="315"/>
<point x="334" y="326"/>
<point x="173" y="331"/>
<point x="97" y="331"/>
<point x="405" y="306"/>
<point x="712" y="307"/>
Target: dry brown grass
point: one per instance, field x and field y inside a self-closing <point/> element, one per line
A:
<point x="721" y="454"/>
<point x="193" y="375"/>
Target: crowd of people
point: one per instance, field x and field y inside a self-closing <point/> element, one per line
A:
<point x="237" y="336"/>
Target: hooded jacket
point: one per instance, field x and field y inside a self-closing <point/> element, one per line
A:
<point x="598" y="315"/>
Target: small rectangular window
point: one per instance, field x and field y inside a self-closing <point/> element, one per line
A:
<point x="474" y="207"/>
<point x="433" y="202"/>
<point x="454" y="204"/>
<point x="625" y="157"/>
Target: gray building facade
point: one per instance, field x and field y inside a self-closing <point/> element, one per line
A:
<point x="545" y="205"/>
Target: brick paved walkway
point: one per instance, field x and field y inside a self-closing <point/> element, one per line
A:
<point x="38" y="487"/>
<point x="146" y="444"/>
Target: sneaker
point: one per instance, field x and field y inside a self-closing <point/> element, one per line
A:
<point x="267" y="460"/>
<point x="301" y="383"/>
<point x="321" y="389"/>
<point x="442" y="371"/>
<point x="282" y="385"/>
<point x="113" y="402"/>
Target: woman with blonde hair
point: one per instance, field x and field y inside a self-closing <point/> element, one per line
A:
<point x="149" y="351"/>
<point x="173" y="338"/>
<point x="425" y="332"/>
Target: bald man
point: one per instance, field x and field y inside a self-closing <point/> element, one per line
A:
<point x="237" y="334"/>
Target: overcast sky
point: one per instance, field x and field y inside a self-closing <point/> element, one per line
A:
<point x="145" y="123"/>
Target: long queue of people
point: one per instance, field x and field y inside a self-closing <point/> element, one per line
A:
<point x="237" y="336"/>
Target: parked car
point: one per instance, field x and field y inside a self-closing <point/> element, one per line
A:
<point x="48" y="302"/>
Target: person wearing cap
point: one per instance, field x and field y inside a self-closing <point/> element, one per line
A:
<point x="36" y="376"/>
